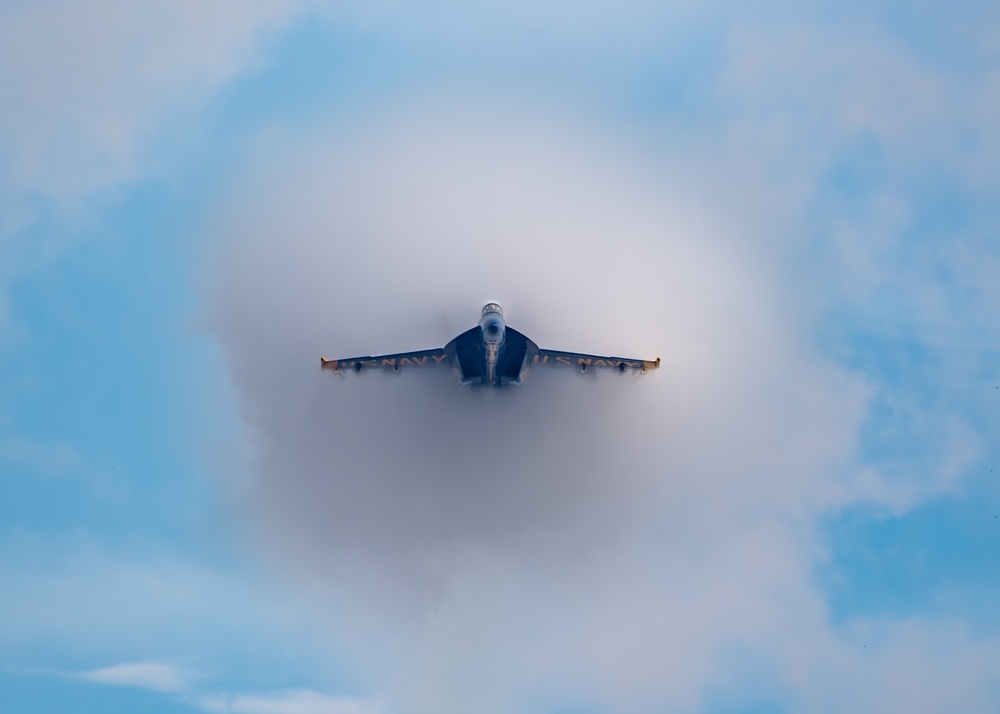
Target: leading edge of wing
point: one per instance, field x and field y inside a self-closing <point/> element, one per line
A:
<point x="557" y="358"/>
<point x="421" y="358"/>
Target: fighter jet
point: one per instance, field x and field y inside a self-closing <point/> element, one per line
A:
<point x="490" y="354"/>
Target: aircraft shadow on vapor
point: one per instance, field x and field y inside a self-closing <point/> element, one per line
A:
<point x="490" y="354"/>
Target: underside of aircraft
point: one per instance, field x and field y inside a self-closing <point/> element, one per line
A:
<point x="490" y="354"/>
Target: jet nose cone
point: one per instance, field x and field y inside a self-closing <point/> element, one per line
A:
<point x="492" y="326"/>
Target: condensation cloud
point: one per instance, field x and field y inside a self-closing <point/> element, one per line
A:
<point x="628" y="541"/>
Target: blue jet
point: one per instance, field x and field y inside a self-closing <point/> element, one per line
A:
<point x="490" y="354"/>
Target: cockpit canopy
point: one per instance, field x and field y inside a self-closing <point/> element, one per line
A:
<point x="492" y="324"/>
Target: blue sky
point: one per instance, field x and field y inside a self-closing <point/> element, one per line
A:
<point x="795" y="206"/>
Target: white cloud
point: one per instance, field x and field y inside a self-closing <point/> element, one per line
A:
<point x="810" y="106"/>
<point x="604" y="540"/>
<point x="917" y="664"/>
<point x="89" y="83"/>
<point x="167" y="678"/>
<point x="873" y="154"/>
<point x="51" y="459"/>
<point x="141" y="602"/>
<point x="157" y="676"/>
<point x="518" y="29"/>
<point x="619" y="539"/>
<point x="287" y="702"/>
<point x="98" y="94"/>
<point x="635" y="545"/>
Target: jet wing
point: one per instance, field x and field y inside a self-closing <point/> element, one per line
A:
<point x="555" y="358"/>
<point x="422" y="358"/>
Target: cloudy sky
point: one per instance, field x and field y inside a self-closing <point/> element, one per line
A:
<point x="794" y="205"/>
